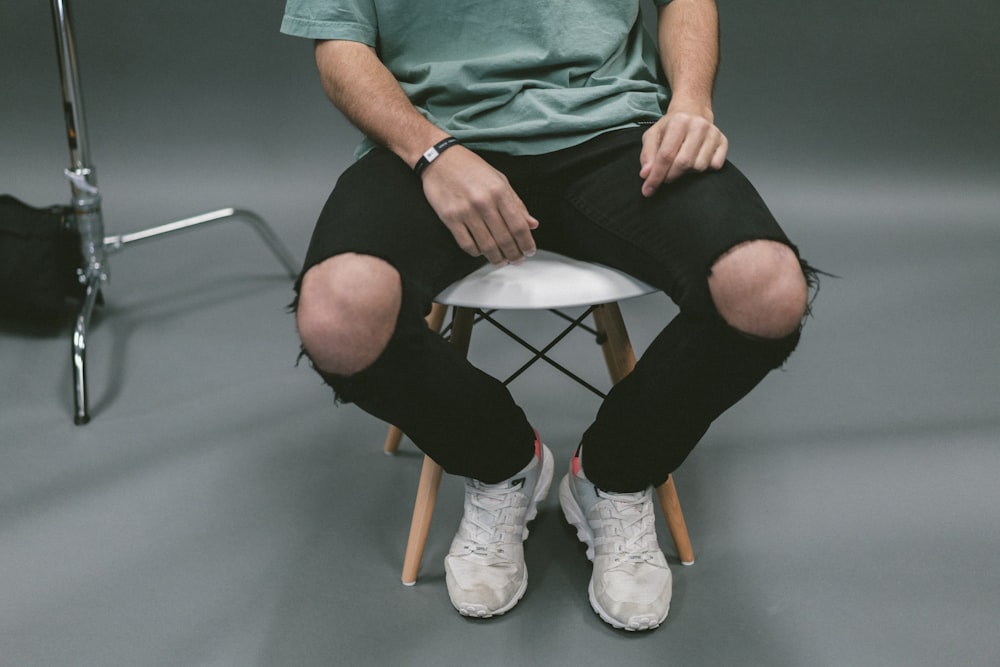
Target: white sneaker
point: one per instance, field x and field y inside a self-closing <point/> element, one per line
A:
<point x="484" y="569"/>
<point x="631" y="584"/>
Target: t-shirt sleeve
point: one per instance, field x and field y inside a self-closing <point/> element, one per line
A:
<point x="352" y="20"/>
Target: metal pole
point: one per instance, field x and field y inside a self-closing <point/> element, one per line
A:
<point x="86" y="198"/>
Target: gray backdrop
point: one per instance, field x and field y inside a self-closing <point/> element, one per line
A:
<point x="219" y="511"/>
<point x="834" y="95"/>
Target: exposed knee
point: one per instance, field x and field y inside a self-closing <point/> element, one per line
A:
<point x="759" y="288"/>
<point x="347" y="310"/>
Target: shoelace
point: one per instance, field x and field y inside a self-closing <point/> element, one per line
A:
<point x="491" y="530"/>
<point x="630" y="527"/>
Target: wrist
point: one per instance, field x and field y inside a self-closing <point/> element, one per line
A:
<point x="432" y="154"/>
<point x="411" y="145"/>
<point x="695" y="104"/>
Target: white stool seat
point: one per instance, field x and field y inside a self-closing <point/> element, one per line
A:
<point x="546" y="280"/>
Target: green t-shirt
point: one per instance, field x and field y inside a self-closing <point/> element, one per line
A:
<point x="518" y="76"/>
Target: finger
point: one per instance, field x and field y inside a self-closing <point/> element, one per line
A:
<point x="512" y="235"/>
<point x="464" y="240"/>
<point x="503" y="239"/>
<point x="713" y="151"/>
<point x="488" y="246"/>
<point x="495" y="239"/>
<point x="519" y="225"/>
<point x="721" y="152"/>
<point x="688" y="154"/>
<point x="462" y="235"/>
<point x="664" y="158"/>
<point x="479" y="217"/>
<point x="651" y="139"/>
<point x="483" y="244"/>
<point x="528" y="246"/>
<point x="706" y="153"/>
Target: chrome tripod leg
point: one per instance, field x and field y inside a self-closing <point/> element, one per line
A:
<point x="81" y="414"/>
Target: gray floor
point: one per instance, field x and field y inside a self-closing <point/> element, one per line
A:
<point x="219" y="510"/>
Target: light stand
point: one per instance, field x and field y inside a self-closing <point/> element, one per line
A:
<point x="86" y="205"/>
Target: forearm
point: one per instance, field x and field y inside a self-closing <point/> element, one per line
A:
<point x="361" y="87"/>
<point x="688" y="36"/>
<point x="686" y="139"/>
<point x="474" y="201"/>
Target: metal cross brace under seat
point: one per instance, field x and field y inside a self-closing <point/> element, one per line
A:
<point x="486" y="315"/>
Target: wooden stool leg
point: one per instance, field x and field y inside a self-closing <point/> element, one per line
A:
<point x="613" y="336"/>
<point x="423" y="509"/>
<point x="671" y="505"/>
<point x="392" y="440"/>
<point x="620" y="358"/>
<point x="434" y="321"/>
<point x="461" y="328"/>
<point x="430" y="474"/>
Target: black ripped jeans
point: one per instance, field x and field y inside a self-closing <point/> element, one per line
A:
<point x="588" y="201"/>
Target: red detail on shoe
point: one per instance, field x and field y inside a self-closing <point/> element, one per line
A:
<point x="538" y="447"/>
<point x="575" y="466"/>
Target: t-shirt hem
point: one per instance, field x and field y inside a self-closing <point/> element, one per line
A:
<point x="523" y="146"/>
<point x="313" y="29"/>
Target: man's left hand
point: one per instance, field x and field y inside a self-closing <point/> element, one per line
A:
<point x="680" y="142"/>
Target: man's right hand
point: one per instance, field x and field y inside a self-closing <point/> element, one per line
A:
<point x="479" y="207"/>
<point x="473" y="199"/>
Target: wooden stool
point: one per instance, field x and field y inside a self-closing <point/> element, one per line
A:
<point x="551" y="282"/>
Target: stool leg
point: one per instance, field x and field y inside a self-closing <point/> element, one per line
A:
<point x="430" y="473"/>
<point x="461" y="328"/>
<point x="671" y="505"/>
<point x="423" y="509"/>
<point x="620" y="357"/>
<point x="392" y="440"/>
<point x="613" y="337"/>
<point x="434" y="321"/>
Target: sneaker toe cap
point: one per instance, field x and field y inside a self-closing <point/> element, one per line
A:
<point x="641" y="588"/>
<point x="480" y="591"/>
<point x="632" y="600"/>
